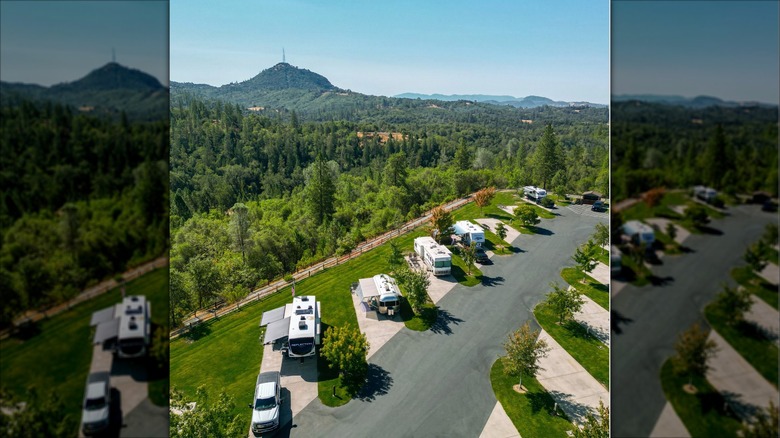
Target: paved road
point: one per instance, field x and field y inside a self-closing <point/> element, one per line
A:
<point x="437" y="383"/>
<point x="659" y="313"/>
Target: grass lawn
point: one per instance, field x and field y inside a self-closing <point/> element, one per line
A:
<point x="602" y="255"/>
<point x="591" y="288"/>
<point x="231" y="344"/>
<point x="459" y="270"/>
<point x="531" y="413"/>
<point x="471" y="211"/>
<point x="57" y="358"/>
<point x="638" y="275"/>
<point x="772" y="255"/>
<point x="583" y="347"/>
<point x="702" y="413"/>
<point x="749" y="342"/>
<point x="759" y="287"/>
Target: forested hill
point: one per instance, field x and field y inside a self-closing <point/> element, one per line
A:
<point x="106" y="91"/>
<point x="731" y="148"/>
<point x="284" y="88"/>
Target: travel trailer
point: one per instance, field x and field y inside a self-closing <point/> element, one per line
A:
<point x="125" y="327"/>
<point x="470" y="232"/>
<point x="639" y="233"/>
<point x="437" y="258"/>
<point x="381" y="293"/>
<point x="535" y="194"/>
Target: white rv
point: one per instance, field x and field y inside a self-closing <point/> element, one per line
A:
<point x="640" y="233"/>
<point x="706" y="194"/>
<point x="134" y="326"/>
<point x="535" y="194"/>
<point x="437" y="257"/>
<point x="299" y="322"/>
<point x="381" y="293"/>
<point x="470" y="232"/>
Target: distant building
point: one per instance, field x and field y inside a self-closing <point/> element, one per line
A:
<point x="591" y="197"/>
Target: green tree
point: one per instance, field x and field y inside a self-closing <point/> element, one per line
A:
<point x="395" y="171"/>
<point x="469" y="255"/>
<point x="415" y="284"/>
<point x="346" y="349"/>
<point x="755" y="256"/>
<point x="463" y="157"/>
<point x="547" y="159"/>
<point x="671" y="230"/>
<point x="734" y="302"/>
<point x="693" y="352"/>
<point x="239" y="227"/>
<point x="585" y="256"/>
<point x="37" y="416"/>
<point x="564" y="302"/>
<point x="696" y="215"/>
<point x="320" y="189"/>
<point x="601" y="235"/>
<point x="205" y="279"/>
<point x="527" y="215"/>
<point x="770" y="235"/>
<point x="395" y="257"/>
<point x="206" y="418"/>
<point x="501" y="231"/>
<point x="523" y="351"/>
<point x="595" y="426"/>
<point x="441" y="222"/>
<point x="70" y="229"/>
<point x="764" y="424"/>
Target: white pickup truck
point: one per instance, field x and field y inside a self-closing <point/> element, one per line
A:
<point x="268" y="401"/>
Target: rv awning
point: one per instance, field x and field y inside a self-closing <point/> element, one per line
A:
<point x="106" y="330"/>
<point x="272" y="316"/>
<point x="367" y="289"/>
<point x="277" y="330"/>
<point x="102" y="316"/>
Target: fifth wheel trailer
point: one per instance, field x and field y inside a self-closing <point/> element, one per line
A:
<point x="437" y="258"/>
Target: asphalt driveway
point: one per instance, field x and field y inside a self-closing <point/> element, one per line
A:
<point x="437" y="383"/>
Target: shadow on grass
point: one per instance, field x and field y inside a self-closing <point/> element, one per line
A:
<point x="579" y="331"/>
<point x="575" y="411"/>
<point x="752" y="330"/>
<point x="660" y="281"/>
<point x="26" y="330"/>
<point x="734" y="405"/>
<point x="443" y="322"/>
<point x="617" y="320"/>
<point x="540" y="401"/>
<point x="378" y="383"/>
<point x="492" y="281"/>
<point x="197" y="332"/>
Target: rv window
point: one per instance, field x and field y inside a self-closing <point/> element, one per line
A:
<point x="301" y="345"/>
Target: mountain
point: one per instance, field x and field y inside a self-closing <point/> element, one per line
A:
<point x="695" y="102"/>
<point x="108" y="90"/>
<point x="518" y="102"/>
<point x="284" y="88"/>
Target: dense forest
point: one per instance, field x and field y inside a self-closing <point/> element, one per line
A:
<point x="254" y="196"/>
<point x="732" y="149"/>
<point x="83" y="197"/>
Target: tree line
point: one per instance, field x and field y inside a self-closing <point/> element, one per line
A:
<point x="83" y="198"/>
<point x="254" y="198"/>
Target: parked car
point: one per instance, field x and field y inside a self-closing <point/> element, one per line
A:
<point x="267" y="403"/>
<point x="95" y="413"/>
<point x="482" y="256"/>
<point x="597" y="206"/>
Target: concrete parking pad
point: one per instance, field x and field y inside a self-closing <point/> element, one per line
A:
<point x="300" y="378"/>
<point x="575" y="391"/>
<point x="600" y="273"/>
<point x="511" y="233"/>
<point x="499" y="425"/>
<point x="509" y="209"/>
<point x="765" y="316"/>
<point x="377" y="328"/>
<point x="595" y="318"/>
<point x="585" y="210"/>
<point x="669" y="425"/>
<point x="744" y="388"/>
<point x="662" y="223"/>
<point x="440" y="286"/>
<point x="771" y="273"/>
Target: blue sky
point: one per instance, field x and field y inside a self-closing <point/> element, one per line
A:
<point x="48" y="42"/>
<point x="557" y="49"/>
<point x="726" y="49"/>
